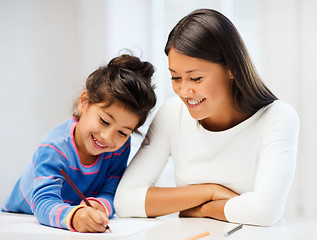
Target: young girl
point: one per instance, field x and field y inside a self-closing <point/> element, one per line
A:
<point x="233" y="143"/>
<point x="92" y="148"/>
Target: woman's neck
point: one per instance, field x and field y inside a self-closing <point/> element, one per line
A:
<point x="221" y="123"/>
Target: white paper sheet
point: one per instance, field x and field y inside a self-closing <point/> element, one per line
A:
<point x="121" y="227"/>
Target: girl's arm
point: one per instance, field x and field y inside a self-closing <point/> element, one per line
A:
<point x="104" y="199"/>
<point x="47" y="203"/>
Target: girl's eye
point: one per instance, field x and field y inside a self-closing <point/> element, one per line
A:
<point x="176" y="78"/>
<point x="122" y="134"/>
<point x="103" y="121"/>
<point x="196" y="79"/>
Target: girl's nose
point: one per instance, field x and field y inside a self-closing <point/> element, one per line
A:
<point x="108" y="137"/>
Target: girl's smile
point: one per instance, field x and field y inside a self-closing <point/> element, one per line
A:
<point x="98" y="144"/>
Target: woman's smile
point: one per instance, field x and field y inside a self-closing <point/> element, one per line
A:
<point x="194" y="103"/>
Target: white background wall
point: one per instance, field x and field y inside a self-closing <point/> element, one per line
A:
<point x="48" y="48"/>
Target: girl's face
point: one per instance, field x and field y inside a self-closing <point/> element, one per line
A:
<point x="102" y="129"/>
<point x="204" y="87"/>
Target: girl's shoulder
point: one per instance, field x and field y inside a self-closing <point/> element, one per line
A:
<point x="57" y="145"/>
<point x="61" y="133"/>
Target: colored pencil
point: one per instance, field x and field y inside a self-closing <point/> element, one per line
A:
<point x="233" y="230"/>
<point x="200" y="235"/>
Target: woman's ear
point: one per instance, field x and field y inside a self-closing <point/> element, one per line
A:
<point x="230" y="75"/>
<point x="83" y="102"/>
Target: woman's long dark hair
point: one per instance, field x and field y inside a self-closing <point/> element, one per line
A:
<point x="209" y="35"/>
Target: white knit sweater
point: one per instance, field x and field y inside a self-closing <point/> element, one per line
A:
<point x="256" y="159"/>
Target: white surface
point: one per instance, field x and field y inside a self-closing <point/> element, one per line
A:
<point x="22" y="223"/>
<point x="23" y="227"/>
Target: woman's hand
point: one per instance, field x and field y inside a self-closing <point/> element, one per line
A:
<point x="161" y="201"/>
<point x="213" y="208"/>
<point x="218" y="192"/>
<point x="192" y="212"/>
<point x="88" y="219"/>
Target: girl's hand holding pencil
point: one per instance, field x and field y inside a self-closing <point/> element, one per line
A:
<point x="88" y="219"/>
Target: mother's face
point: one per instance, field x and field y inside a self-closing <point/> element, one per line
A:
<point x="204" y="87"/>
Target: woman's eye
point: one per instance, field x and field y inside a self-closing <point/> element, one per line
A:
<point x="122" y="133"/>
<point x="176" y="78"/>
<point x="103" y="121"/>
<point x="195" y="79"/>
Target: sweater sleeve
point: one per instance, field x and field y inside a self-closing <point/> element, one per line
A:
<point x="119" y="163"/>
<point x="144" y="170"/>
<point x="265" y="204"/>
<point x="47" y="203"/>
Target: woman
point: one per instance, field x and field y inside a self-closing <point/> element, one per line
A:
<point x="233" y="143"/>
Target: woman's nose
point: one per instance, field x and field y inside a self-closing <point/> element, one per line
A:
<point x="185" y="89"/>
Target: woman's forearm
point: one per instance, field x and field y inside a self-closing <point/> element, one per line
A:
<point x="212" y="209"/>
<point x="161" y="201"/>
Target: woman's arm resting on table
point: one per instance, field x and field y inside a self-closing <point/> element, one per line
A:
<point x="264" y="205"/>
<point x="162" y="201"/>
<point x="213" y="209"/>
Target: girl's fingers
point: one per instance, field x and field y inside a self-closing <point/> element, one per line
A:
<point x="89" y="219"/>
<point x="98" y="216"/>
<point x="94" y="204"/>
<point x="99" y="220"/>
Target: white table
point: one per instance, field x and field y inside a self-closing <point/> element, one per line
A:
<point x="175" y="228"/>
